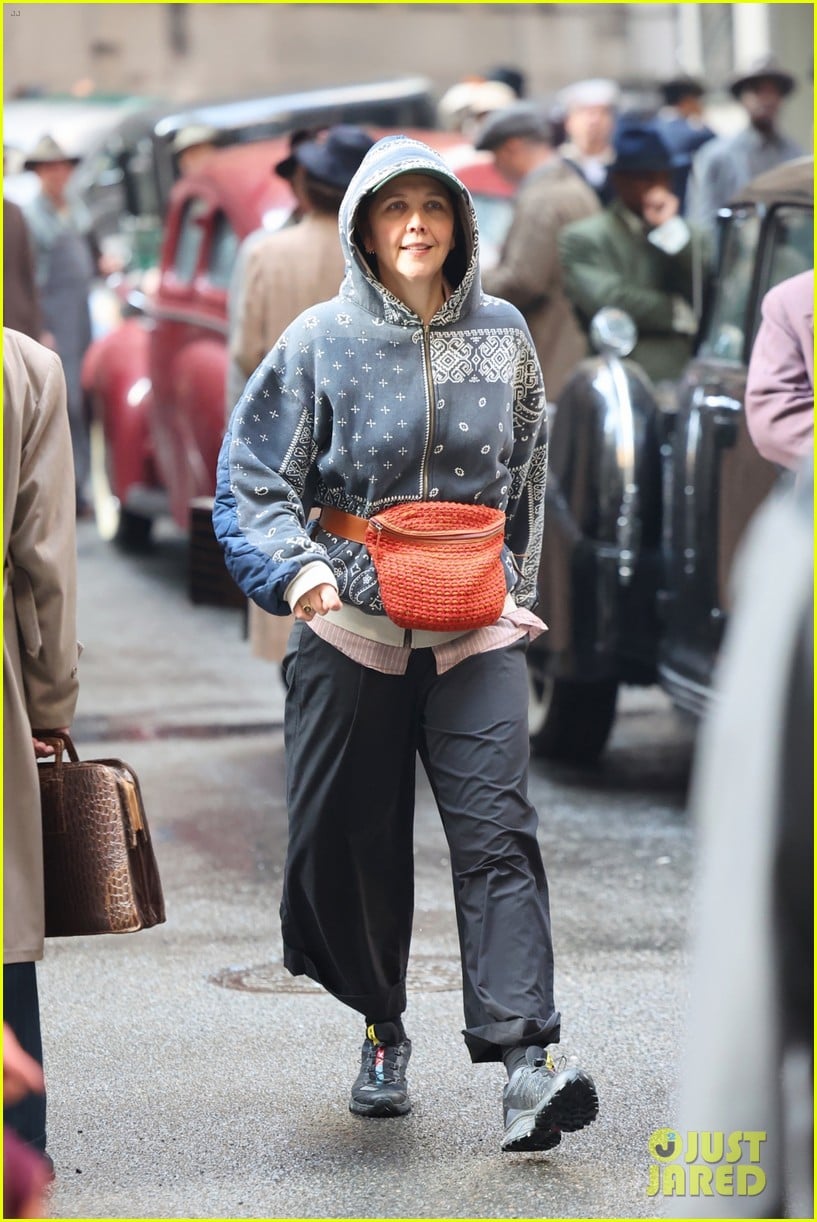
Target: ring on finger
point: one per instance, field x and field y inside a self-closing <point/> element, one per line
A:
<point x="307" y="610"/>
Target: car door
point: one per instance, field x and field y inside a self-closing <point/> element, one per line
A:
<point x="188" y="347"/>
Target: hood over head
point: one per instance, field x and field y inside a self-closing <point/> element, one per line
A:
<point x="387" y="159"/>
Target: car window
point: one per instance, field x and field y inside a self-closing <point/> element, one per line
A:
<point x="188" y="244"/>
<point x="791" y="246"/>
<point x="223" y="250"/>
<point x="725" y="336"/>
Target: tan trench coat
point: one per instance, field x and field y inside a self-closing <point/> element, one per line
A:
<point x="40" y="649"/>
<point x="286" y="273"/>
<point x="529" y="273"/>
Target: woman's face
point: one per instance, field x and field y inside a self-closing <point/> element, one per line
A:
<point x="411" y="229"/>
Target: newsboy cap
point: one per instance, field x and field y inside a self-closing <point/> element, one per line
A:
<point x="764" y="69"/>
<point x="47" y="152"/>
<point x="522" y="119"/>
<point x="333" y="160"/>
<point x="640" y="148"/>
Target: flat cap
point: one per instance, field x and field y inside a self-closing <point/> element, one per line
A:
<point x="522" y="119"/>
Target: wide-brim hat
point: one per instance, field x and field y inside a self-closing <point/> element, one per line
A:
<point x="333" y="160"/>
<point x="188" y="137"/>
<point x="47" y="152"/>
<point x="765" y="69"/>
<point x="640" y="149"/>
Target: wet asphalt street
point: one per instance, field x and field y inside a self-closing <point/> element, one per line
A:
<point x="190" y="1076"/>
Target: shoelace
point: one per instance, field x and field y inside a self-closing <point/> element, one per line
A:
<point x="384" y="1061"/>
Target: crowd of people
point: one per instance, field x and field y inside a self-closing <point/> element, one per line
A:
<point x="610" y="208"/>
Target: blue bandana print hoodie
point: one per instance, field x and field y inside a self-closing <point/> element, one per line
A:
<point x="359" y="406"/>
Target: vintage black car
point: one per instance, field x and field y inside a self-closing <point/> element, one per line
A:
<point x="649" y="498"/>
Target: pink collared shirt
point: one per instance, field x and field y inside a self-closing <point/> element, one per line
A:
<point x="393" y="659"/>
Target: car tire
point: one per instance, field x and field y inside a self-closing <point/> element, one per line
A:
<point x="568" y="721"/>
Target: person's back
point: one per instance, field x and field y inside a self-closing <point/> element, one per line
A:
<point x="296" y="267"/>
<point x="286" y="272"/>
<point x="550" y="195"/>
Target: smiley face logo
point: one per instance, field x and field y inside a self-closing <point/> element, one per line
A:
<point x="665" y="1145"/>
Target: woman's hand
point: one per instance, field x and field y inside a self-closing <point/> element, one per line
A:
<point x="317" y="601"/>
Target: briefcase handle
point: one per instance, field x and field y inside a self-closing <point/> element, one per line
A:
<point x="61" y="741"/>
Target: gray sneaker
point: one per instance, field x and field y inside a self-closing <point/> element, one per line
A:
<point x="540" y="1103"/>
<point x="380" y="1088"/>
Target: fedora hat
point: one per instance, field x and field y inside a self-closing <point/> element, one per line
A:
<point x="47" y="152"/>
<point x="333" y="160"/>
<point x="764" y="69"/>
<point x="640" y="148"/>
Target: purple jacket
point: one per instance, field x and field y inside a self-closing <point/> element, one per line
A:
<point x="780" y="383"/>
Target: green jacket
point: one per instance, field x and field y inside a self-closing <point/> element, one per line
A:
<point x="607" y="261"/>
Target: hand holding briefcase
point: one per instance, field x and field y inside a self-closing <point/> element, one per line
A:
<point x="100" y="870"/>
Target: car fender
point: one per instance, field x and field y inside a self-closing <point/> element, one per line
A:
<point x="601" y="555"/>
<point x="196" y="420"/>
<point x="116" y="382"/>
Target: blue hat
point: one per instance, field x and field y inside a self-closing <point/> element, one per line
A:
<point x="640" y="148"/>
<point x="333" y="160"/>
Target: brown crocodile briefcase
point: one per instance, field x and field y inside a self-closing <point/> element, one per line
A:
<point x="100" y="870"/>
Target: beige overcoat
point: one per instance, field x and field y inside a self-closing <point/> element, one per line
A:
<point x="286" y="273"/>
<point x="40" y="651"/>
<point x="529" y="273"/>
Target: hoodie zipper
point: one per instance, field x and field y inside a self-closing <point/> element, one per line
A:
<point x="430" y="406"/>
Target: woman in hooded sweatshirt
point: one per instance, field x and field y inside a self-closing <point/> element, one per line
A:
<point x="409" y="387"/>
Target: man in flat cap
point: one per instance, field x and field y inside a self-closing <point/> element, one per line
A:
<point x="587" y="110"/>
<point x="637" y="254"/>
<point x="549" y="195"/>
<point x="727" y="163"/>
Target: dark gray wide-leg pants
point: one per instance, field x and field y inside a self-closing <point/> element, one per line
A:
<point x="352" y="738"/>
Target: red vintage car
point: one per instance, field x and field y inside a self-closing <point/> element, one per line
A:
<point x="156" y="384"/>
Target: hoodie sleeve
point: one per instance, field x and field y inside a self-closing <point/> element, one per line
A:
<point x="526" y="505"/>
<point x="266" y="473"/>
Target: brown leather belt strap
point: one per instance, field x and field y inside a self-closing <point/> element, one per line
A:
<point x="345" y="525"/>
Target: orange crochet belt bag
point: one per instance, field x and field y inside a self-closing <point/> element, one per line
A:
<point x="439" y="564"/>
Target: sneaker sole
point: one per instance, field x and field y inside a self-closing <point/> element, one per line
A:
<point x="573" y="1106"/>
<point x="380" y="1109"/>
